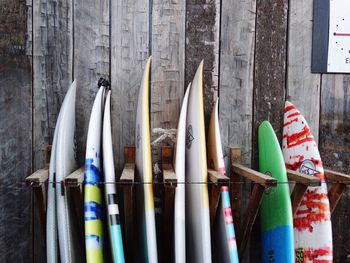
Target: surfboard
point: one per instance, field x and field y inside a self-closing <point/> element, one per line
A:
<point x="276" y="217"/>
<point x="92" y="187"/>
<point x="224" y="238"/>
<point x="66" y="164"/>
<point x="145" y="202"/>
<point x="179" y="166"/>
<point x="198" y="242"/>
<point x="312" y="222"/>
<point x="51" y="215"/>
<point x="115" y="233"/>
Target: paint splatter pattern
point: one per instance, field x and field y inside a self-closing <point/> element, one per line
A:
<point x="312" y="225"/>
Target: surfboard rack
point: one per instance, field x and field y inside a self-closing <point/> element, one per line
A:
<point x="339" y="182"/>
<point x="73" y="184"/>
<point x="37" y="181"/>
<point x="170" y="184"/>
<point x="302" y="182"/>
<point x="261" y="182"/>
<point x="127" y="181"/>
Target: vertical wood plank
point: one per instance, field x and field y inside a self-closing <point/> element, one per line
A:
<point x="168" y="71"/>
<point x="270" y="66"/>
<point x="15" y="129"/>
<point x="202" y="42"/>
<point x="129" y="51"/>
<point x="91" y="60"/>
<point x="41" y="82"/>
<point x="236" y="76"/>
<point x="303" y="88"/>
<point x="334" y="147"/>
<point x="269" y="79"/>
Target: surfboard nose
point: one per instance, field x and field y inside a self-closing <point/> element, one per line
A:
<point x="288" y="103"/>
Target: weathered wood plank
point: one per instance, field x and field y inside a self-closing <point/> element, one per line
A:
<point x="15" y="130"/>
<point x="303" y="88"/>
<point x="236" y="76"/>
<point x="168" y="71"/>
<point x="270" y="66"/>
<point x="334" y="147"/>
<point x="129" y="51"/>
<point x="52" y="69"/>
<point x="202" y="42"/>
<point x="91" y="60"/>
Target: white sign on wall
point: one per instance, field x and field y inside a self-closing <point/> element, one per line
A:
<point x="339" y="36"/>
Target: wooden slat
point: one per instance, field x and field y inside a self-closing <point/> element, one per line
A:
<point x="339" y="182"/>
<point x="129" y="51"/>
<point x="254" y="176"/>
<point x="38" y="178"/>
<point x="236" y="76"/>
<point x="236" y="188"/>
<point x="214" y="203"/>
<point x="167" y="155"/>
<point x="334" y="195"/>
<point x="303" y="178"/>
<point x="336" y="177"/>
<point x="91" y="60"/>
<point x="297" y="195"/>
<point x="303" y="87"/>
<point x="270" y="67"/>
<point x="128" y="174"/>
<point x="130" y="243"/>
<point x="129" y="154"/>
<point x="168" y="221"/>
<point x="217" y="178"/>
<point x="168" y="71"/>
<point x="250" y="216"/>
<point x="169" y="176"/>
<point x="202" y="42"/>
<point x="75" y="179"/>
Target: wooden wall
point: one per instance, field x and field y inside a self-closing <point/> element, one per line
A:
<point x="256" y="54"/>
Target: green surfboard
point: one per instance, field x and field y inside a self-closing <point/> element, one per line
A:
<point x="276" y="210"/>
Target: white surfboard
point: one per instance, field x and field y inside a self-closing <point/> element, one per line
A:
<point x="312" y="222"/>
<point x="113" y="217"/>
<point x="198" y="242"/>
<point x="65" y="165"/>
<point x="144" y="172"/>
<point x="51" y="215"/>
<point x="179" y="166"/>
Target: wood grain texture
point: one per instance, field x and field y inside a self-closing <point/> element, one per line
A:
<point x="270" y="66"/>
<point x="91" y="60"/>
<point x="334" y="146"/>
<point x="52" y="69"/>
<point x="15" y="130"/>
<point x="202" y="42"/>
<point x="129" y="51"/>
<point x="236" y="76"/>
<point x="303" y="88"/>
<point x="168" y="71"/>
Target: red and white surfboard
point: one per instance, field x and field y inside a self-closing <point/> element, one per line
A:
<point x="312" y="222"/>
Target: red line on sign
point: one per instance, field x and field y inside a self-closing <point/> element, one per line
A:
<point x="341" y="34"/>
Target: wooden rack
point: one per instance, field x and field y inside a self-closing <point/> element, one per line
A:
<point x="260" y="182"/>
